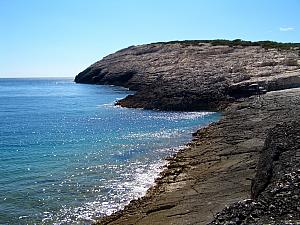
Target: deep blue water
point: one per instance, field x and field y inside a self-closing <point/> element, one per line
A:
<point x="68" y="155"/>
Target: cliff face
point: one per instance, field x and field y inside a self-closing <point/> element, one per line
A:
<point x="193" y="75"/>
<point x="275" y="188"/>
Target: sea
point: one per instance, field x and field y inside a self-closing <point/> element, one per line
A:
<point x="68" y="155"/>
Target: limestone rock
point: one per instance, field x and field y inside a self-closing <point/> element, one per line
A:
<point x="276" y="186"/>
<point x="193" y="75"/>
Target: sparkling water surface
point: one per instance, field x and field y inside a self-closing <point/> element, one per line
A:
<point x="68" y="155"/>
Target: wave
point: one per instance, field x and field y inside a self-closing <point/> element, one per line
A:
<point x="169" y="133"/>
<point x="181" y="115"/>
<point x="132" y="184"/>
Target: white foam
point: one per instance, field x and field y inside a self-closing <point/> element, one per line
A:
<point x="136" y="184"/>
<point x="107" y="105"/>
<point x="173" y="116"/>
<point x="158" y="134"/>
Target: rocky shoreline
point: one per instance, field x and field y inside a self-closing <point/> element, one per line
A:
<point x="243" y="169"/>
<point x="218" y="167"/>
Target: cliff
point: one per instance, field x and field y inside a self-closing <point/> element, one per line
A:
<point x="193" y="75"/>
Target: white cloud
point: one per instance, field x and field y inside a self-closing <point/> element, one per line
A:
<point x="286" y="29"/>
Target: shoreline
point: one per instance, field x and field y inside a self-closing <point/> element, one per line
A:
<point x="219" y="166"/>
<point x="164" y="162"/>
<point x="214" y="170"/>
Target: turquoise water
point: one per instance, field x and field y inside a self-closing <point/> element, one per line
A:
<point x="68" y="155"/>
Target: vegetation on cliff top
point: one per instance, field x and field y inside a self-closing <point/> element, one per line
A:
<point x="237" y="42"/>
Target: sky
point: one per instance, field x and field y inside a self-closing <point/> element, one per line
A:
<point x="54" y="38"/>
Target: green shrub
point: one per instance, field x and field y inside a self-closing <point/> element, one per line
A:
<point x="237" y="42"/>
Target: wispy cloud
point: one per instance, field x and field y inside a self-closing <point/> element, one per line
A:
<point x="286" y="29"/>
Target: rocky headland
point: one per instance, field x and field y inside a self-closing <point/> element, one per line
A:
<point x="243" y="169"/>
<point x="194" y="75"/>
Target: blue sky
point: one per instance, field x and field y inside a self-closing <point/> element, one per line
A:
<point x="63" y="37"/>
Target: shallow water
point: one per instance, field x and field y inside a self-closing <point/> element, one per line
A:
<point x="68" y="155"/>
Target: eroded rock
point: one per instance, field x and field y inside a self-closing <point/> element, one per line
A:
<point x="193" y="75"/>
<point x="276" y="186"/>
